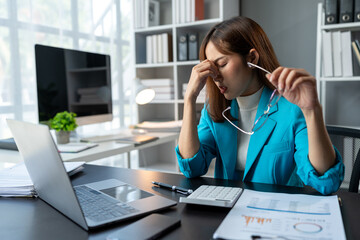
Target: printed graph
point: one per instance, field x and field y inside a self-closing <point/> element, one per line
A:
<point x="256" y="220"/>
<point x="307" y="227"/>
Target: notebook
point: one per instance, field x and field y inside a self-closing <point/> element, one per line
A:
<point x="53" y="185"/>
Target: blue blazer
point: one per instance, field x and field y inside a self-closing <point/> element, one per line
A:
<point x="277" y="152"/>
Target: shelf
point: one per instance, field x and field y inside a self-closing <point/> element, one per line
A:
<point x="170" y="101"/>
<point x="340" y="79"/>
<point x="93" y="69"/>
<point x="342" y="26"/>
<point x="160" y="28"/>
<point x="87" y="104"/>
<point x="337" y="94"/>
<point x="197" y="101"/>
<point x="187" y="63"/>
<point x="199" y="25"/>
<point x="215" y="11"/>
<point x="154" y="65"/>
<point x="169" y="64"/>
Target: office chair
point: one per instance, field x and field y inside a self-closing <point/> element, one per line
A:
<point x="347" y="141"/>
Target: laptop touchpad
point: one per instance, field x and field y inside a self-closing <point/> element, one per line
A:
<point x="126" y="193"/>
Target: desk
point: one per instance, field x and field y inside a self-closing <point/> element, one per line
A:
<point x="34" y="219"/>
<point x="103" y="150"/>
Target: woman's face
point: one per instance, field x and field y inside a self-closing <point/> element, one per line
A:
<point x="235" y="78"/>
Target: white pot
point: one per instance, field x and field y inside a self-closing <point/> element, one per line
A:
<point x="62" y="137"/>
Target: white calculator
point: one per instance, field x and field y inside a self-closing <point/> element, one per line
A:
<point x="214" y="196"/>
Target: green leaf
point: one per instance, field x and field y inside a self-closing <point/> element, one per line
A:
<point x="64" y="121"/>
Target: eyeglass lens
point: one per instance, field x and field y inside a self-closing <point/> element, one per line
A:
<point x="260" y="122"/>
<point x="275" y="97"/>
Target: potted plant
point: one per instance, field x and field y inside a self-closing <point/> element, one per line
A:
<point x="63" y="123"/>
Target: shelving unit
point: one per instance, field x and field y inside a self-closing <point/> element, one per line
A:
<point x="91" y="75"/>
<point x="215" y="11"/>
<point x="336" y="94"/>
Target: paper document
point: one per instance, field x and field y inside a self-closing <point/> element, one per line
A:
<point x="285" y="216"/>
<point x="137" y="139"/>
<point x="75" y="147"/>
<point x="15" y="181"/>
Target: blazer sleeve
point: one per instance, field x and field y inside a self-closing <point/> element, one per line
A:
<point x="327" y="183"/>
<point x="199" y="164"/>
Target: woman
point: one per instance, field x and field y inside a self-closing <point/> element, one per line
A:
<point x="271" y="137"/>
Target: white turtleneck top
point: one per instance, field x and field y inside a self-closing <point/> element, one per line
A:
<point x="247" y="111"/>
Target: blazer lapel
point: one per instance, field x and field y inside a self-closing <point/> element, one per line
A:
<point x="226" y="136"/>
<point x="259" y="138"/>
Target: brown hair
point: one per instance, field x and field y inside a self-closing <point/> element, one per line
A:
<point x="237" y="35"/>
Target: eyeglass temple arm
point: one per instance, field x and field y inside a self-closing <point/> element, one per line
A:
<point x="254" y="65"/>
<point x="223" y="114"/>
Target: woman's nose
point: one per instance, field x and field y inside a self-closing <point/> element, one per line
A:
<point x="217" y="78"/>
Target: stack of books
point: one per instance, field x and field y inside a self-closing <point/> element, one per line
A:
<point x="341" y="54"/>
<point x="93" y="95"/>
<point x="147" y="13"/>
<point x="159" y="48"/>
<point x="163" y="87"/>
<point x="189" y="10"/>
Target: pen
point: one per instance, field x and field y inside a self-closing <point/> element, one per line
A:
<point x="340" y="201"/>
<point x="173" y="188"/>
<point x="254" y="237"/>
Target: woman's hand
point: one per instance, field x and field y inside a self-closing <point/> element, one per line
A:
<point x="198" y="77"/>
<point x="297" y="86"/>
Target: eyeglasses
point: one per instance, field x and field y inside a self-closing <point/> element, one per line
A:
<point x="274" y="98"/>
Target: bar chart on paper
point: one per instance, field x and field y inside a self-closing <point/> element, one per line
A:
<point x="288" y="216"/>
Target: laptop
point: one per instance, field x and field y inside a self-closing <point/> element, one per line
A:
<point x="81" y="204"/>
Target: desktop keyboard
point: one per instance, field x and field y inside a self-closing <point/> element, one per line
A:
<point x="214" y="196"/>
<point x="99" y="207"/>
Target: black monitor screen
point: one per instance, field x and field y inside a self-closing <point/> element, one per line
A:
<point x="74" y="81"/>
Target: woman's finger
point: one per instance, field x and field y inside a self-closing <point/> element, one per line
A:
<point x="282" y="78"/>
<point x="275" y="76"/>
<point x="292" y="77"/>
<point x="303" y="79"/>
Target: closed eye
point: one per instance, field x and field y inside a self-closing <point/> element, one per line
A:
<point x="222" y="65"/>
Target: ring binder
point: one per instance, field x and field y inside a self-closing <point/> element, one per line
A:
<point x="193" y="46"/>
<point x="183" y="50"/>
<point x="346" y="11"/>
<point x="357" y="10"/>
<point x="331" y="11"/>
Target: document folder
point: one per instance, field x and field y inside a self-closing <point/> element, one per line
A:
<point x="346" y="11"/>
<point x="331" y="11"/>
<point x="357" y="10"/>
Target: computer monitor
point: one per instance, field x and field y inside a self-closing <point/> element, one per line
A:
<point x="73" y="81"/>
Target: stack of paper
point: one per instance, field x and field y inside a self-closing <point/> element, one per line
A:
<point x="15" y="181"/>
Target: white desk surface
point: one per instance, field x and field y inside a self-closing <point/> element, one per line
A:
<point x="103" y="150"/>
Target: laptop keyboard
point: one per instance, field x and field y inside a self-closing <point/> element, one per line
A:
<point x="98" y="207"/>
